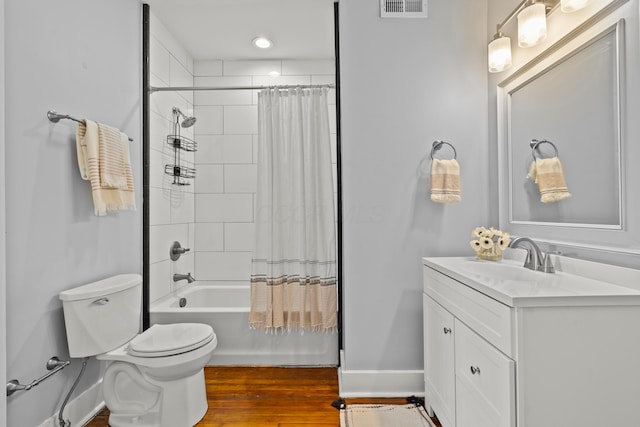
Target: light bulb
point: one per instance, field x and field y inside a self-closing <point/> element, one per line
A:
<point x="499" y="55"/>
<point x="532" y="25"/>
<point x="262" y="42"/>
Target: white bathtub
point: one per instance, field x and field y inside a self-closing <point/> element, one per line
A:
<point x="226" y="309"/>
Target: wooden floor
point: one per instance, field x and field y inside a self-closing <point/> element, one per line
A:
<point x="270" y="397"/>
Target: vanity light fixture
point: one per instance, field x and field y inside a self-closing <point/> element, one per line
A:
<point x="532" y="29"/>
<point x="262" y="42"/>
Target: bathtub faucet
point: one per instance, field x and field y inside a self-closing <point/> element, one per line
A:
<point x="188" y="277"/>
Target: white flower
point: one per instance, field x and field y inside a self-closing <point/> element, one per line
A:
<point x="475" y="244"/>
<point x="504" y="241"/>
<point x="486" y="242"/>
<point x="478" y="232"/>
<point x="496" y="232"/>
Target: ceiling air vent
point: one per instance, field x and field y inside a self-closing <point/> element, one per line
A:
<point x="403" y="8"/>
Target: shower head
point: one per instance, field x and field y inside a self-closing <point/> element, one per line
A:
<point x="188" y="120"/>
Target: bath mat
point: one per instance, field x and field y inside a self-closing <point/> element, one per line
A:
<point x="409" y="415"/>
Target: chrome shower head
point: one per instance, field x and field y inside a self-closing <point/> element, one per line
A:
<point x="188" y="120"/>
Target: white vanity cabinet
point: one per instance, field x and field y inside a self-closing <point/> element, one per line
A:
<point x="512" y="353"/>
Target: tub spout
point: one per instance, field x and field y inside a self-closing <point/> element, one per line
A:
<point x="189" y="278"/>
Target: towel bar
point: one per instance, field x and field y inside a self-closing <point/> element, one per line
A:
<point x="535" y="143"/>
<point x="53" y="365"/>
<point x="55" y="117"/>
<point x="438" y="145"/>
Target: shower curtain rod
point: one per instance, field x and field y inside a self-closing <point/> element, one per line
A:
<point x="181" y="88"/>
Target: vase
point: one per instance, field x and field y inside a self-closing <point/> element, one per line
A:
<point x="493" y="254"/>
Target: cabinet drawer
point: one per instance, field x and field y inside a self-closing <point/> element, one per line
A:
<point x="488" y="317"/>
<point x="485" y="382"/>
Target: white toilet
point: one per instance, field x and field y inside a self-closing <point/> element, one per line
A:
<point x="155" y="378"/>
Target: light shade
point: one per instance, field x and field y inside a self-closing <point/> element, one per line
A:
<point x="568" y="6"/>
<point x="499" y="54"/>
<point x="532" y="25"/>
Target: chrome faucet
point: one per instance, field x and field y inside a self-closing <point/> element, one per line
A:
<point x="535" y="260"/>
<point x="189" y="278"/>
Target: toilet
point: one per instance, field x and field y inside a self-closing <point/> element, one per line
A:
<point x="154" y="378"/>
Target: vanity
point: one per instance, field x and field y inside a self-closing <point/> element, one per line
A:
<point x="505" y="346"/>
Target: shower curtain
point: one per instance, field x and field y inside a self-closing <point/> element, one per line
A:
<point x="293" y="283"/>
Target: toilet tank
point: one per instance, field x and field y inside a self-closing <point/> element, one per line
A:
<point x="102" y="315"/>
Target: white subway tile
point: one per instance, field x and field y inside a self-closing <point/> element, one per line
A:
<point x="159" y="207"/>
<point x="159" y="280"/>
<point x="210" y="120"/>
<point x="250" y="68"/>
<point x="308" y="66"/>
<point x="241" y="119"/>
<point x="224" y="208"/>
<point x="209" y="236"/>
<point x="207" y="68"/>
<point x="224" y="149"/>
<point x="222" y="97"/>
<point x="209" y="179"/>
<point x="180" y="76"/>
<point x="182" y="206"/>
<point x="159" y="58"/>
<point x="240" y="178"/>
<point x="239" y="237"/>
<point x="224" y="265"/>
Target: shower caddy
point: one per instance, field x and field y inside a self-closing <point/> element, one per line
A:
<point x="180" y="144"/>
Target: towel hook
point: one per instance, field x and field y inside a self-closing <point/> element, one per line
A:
<point x="438" y="145"/>
<point x="534" y="145"/>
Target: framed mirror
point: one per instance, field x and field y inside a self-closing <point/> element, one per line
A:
<point x="574" y="95"/>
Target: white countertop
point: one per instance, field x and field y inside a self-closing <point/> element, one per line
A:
<point x="508" y="282"/>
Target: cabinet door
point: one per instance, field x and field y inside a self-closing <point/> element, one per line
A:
<point x="439" y="361"/>
<point x="485" y="382"/>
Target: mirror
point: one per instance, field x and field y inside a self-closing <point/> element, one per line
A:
<point x="574" y="95"/>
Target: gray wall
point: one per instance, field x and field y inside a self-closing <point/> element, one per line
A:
<point x="405" y="83"/>
<point x="81" y="58"/>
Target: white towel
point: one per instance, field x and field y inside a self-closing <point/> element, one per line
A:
<point x="116" y="191"/>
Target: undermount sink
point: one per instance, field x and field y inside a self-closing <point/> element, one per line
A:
<point x="501" y="270"/>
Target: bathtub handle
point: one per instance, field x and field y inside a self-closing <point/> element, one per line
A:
<point x="177" y="250"/>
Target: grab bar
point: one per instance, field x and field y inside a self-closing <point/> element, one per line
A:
<point x="53" y="365"/>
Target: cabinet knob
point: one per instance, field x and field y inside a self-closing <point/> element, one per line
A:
<point x="447" y="330"/>
<point x="475" y="370"/>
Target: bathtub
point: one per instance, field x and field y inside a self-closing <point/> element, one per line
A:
<point x="226" y="309"/>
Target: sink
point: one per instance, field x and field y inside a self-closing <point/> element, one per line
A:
<point x="500" y="270"/>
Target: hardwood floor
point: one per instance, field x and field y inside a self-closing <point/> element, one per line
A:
<point x="270" y="397"/>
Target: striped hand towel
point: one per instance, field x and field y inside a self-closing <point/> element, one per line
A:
<point x="548" y="174"/>
<point x="103" y="159"/>
<point x="445" y="181"/>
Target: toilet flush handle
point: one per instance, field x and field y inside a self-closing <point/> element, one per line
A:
<point x="101" y="301"/>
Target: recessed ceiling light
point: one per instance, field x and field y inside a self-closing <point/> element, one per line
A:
<point x="274" y="73"/>
<point x="262" y="42"/>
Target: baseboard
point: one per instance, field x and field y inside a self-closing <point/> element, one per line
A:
<point x="378" y="383"/>
<point x="80" y="410"/>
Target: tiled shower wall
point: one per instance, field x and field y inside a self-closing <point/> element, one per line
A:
<point x="171" y="206"/>
<point x="226" y="133"/>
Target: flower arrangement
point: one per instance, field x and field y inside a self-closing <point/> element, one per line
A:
<point x="489" y="243"/>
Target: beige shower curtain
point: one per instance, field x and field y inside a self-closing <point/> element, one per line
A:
<point x="293" y="283"/>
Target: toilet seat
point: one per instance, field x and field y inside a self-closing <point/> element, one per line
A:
<point x="168" y="340"/>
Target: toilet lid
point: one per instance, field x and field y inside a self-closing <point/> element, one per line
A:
<point x="168" y="340"/>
